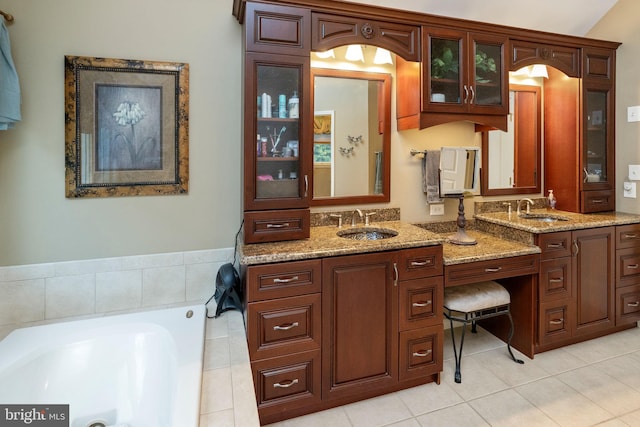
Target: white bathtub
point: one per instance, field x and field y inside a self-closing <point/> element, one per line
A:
<point x="139" y="370"/>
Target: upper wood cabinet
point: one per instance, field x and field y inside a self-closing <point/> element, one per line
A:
<point x="565" y="59"/>
<point x="285" y="29"/>
<point x="329" y="31"/>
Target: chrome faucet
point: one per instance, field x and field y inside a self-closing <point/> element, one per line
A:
<point x="529" y="204"/>
<point x="353" y="217"/>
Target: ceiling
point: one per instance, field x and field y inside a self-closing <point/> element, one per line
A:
<point x="574" y="17"/>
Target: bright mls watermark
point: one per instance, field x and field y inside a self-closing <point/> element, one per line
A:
<point x="34" y="415"/>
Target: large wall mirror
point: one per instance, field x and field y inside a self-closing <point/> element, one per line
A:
<point x="351" y="137"/>
<point x="511" y="161"/>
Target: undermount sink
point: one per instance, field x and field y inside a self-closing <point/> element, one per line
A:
<point x="368" y="233"/>
<point x="544" y="217"/>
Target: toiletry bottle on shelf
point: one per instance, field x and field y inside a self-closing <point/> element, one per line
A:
<point x="551" y="200"/>
<point x="294" y="106"/>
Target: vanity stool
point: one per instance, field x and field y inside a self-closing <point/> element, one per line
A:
<point x="474" y="302"/>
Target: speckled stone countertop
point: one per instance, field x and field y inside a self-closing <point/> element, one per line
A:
<point x="575" y="221"/>
<point x="324" y="242"/>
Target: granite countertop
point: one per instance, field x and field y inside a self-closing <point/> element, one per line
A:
<point x="324" y="242"/>
<point x="488" y="247"/>
<point x="575" y="221"/>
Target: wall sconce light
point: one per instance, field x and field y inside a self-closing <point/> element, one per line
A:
<point x="383" y="56"/>
<point x="326" y="54"/>
<point x="539" y="70"/>
<point x="354" y="53"/>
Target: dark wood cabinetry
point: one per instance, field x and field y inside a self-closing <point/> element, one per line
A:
<point x="576" y="286"/>
<point x="627" y="274"/>
<point x="330" y="331"/>
<point x="525" y="53"/>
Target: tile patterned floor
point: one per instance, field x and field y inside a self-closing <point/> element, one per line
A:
<point x="595" y="383"/>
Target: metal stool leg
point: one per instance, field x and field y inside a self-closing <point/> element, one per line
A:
<point x="509" y="340"/>
<point x="457" y="355"/>
<point x="473" y="327"/>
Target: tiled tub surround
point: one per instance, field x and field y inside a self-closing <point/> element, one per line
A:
<point x="33" y="294"/>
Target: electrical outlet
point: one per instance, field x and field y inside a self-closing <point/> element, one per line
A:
<point x="630" y="190"/>
<point x="634" y="172"/>
<point x="436" y="209"/>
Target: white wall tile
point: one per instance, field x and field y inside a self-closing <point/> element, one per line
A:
<point x="70" y="296"/>
<point x="151" y="261"/>
<point x="212" y="255"/>
<point x="26" y="272"/>
<point x="163" y="285"/>
<point x="71" y="268"/>
<point x="201" y="281"/>
<point x="21" y="301"/>
<point x="118" y="290"/>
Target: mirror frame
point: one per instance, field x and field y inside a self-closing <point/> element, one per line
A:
<point x="385" y="79"/>
<point x="484" y="175"/>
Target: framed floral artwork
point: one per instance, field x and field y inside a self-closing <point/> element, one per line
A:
<point x="126" y="130"/>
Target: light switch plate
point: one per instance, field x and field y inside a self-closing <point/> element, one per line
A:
<point x="633" y="114"/>
<point x="436" y="209"/>
<point x="634" y="172"/>
<point x="630" y="189"/>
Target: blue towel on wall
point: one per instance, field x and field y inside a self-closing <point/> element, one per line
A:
<point x="9" y="83"/>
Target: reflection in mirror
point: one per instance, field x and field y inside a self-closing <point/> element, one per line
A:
<point x="351" y="134"/>
<point x="511" y="160"/>
<point x="459" y="170"/>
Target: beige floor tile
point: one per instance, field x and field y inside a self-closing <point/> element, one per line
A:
<point x="562" y="404"/>
<point x="606" y="347"/>
<point x="335" y="417"/>
<point x="429" y="397"/>
<point x="217" y="391"/>
<point x="473" y="343"/>
<point x="607" y="392"/>
<point x="411" y="422"/>
<point x="558" y="361"/>
<point x="507" y="408"/>
<point x="625" y="369"/>
<point x="632" y="419"/>
<point x="614" y="423"/>
<point x="477" y="380"/>
<point x="500" y="363"/>
<point x="378" y="411"/>
<point x="218" y="419"/>
<point x="461" y="415"/>
<point x="216" y="353"/>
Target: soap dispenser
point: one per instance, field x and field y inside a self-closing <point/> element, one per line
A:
<point x="551" y="200"/>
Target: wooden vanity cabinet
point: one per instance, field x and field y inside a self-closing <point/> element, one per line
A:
<point x="326" y="332"/>
<point x="627" y="274"/>
<point x="576" y="286"/>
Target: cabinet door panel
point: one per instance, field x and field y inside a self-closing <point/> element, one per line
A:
<point x="360" y="323"/>
<point x="556" y="281"/>
<point x="420" y="302"/>
<point x="555" y="321"/>
<point x="282" y="29"/>
<point x="595" y="275"/>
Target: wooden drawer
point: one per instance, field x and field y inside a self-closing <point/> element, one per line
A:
<point x="555" y="321"/>
<point x="284" y="28"/>
<point x="286" y="383"/>
<point x="420" y="302"/>
<point x="420" y="352"/>
<point x="275" y="226"/>
<point x="420" y="262"/>
<point x="627" y="267"/>
<point x="597" y="201"/>
<point x="627" y="305"/>
<point x="555" y="280"/>
<point x="554" y="245"/>
<point x="628" y="236"/>
<point x="269" y="281"/>
<point x="284" y="326"/>
<point x="460" y="274"/>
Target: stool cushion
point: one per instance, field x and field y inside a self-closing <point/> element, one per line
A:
<point x="475" y="297"/>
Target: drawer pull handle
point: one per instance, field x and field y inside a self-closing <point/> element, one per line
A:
<point x="422" y="353"/>
<point x="289" y="280"/>
<point x="419" y="263"/>
<point x="492" y="270"/>
<point x="555" y="245"/>
<point x="561" y="279"/>
<point x="632" y="266"/>
<point x="286" y="385"/>
<point x="286" y="224"/>
<point x="597" y="201"/>
<point x="421" y="304"/>
<point x="395" y="274"/>
<point x="287" y="327"/>
<point x="633" y="304"/>
<point x="630" y="236"/>
<point x="556" y="322"/>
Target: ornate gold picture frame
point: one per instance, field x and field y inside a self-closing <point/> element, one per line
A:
<point x="126" y="127"/>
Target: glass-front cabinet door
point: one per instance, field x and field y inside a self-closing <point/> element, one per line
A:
<point x="597" y="153"/>
<point x="275" y="167"/>
<point x="466" y="73"/>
